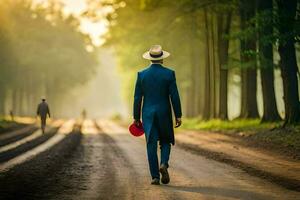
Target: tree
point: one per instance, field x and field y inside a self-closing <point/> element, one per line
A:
<point x="196" y="32"/>
<point x="265" y="33"/>
<point x="207" y="76"/>
<point x="248" y="59"/>
<point x="41" y="53"/>
<point x="288" y="64"/>
<point x="7" y="60"/>
<point x="224" y="21"/>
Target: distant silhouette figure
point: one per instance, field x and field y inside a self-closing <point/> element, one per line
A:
<point x="42" y="111"/>
<point x="83" y="114"/>
<point x="11" y="113"/>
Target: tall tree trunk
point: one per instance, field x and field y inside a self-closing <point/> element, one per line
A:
<point x="248" y="71"/>
<point x="192" y="97"/>
<point x="195" y="64"/>
<point x="270" y="112"/>
<point x="14" y="101"/>
<point x="192" y="87"/>
<point x="224" y="22"/>
<point x="288" y="62"/>
<point x="19" y="102"/>
<point x="2" y="101"/>
<point x="207" y="102"/>
<point x="188" y="106"/>
<point x="213" y="76"/>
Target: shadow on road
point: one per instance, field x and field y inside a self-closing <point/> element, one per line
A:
<point x="222" y="192"/>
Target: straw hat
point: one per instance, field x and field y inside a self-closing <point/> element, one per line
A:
<point x="43" y="98"/>
<point x="156" y="53"/>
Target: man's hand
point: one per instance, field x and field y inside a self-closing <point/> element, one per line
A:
<point x="138" y="123"/>
<point x="178" y="122"/>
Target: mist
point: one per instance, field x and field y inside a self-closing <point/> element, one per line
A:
<point x="101" y="96"/>
<point x="221" y="69"/>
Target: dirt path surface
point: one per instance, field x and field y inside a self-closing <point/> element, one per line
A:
<point x="233" y="150"/>
<point x="192" y="176"/>
<point x="15" y="135"/>
<point x="109" y="163"/>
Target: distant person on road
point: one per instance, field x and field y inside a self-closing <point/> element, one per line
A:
<point x="11" y="113"/>
<point x="156" y="88"/>
<point x="83" y="114"/>
<point x="42" y="111"/>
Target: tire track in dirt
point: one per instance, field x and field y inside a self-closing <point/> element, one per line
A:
<point x="33" y="179"/>
<point x="96" y="169"/>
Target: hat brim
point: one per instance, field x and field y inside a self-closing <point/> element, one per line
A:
<point x="147" y="56"/>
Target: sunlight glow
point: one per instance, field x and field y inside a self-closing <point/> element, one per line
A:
<point x="95" y="29"/>
<point x="74" y="7"/>
<point x="88" y="127"/>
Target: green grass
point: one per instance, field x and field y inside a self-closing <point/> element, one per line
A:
<point x="234" y="125"/>
<point x="5" y="123"/>
<point x="267" y="132"/>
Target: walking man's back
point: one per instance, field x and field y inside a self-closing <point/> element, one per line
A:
<point x="43" y="110"/>
<point x="156" y="89"/>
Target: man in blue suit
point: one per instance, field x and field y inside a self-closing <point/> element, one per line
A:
<point x="156" y="92"/>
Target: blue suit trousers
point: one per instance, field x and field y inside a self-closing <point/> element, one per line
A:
<point x="165" y="149"/>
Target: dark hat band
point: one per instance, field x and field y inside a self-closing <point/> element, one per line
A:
<point x="156" y="56"/>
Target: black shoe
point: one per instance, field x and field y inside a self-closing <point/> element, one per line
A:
<point x="155" y="181"/>
<point x="165" y="178"/>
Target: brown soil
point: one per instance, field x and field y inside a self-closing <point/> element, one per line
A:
<point x="249" y="155"/>
<point x="109" y="163"/>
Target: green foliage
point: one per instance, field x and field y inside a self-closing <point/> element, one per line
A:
<point x="262" y="22"/>
<point x="144" y="23"/>
<point x="5" y="123"/>
<point x="270" y="133"/>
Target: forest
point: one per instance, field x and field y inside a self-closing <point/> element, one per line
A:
<point x="223" y="51"/>
<point x="233" y="58"/>
<point x="42" y="53"/>
<point x="69" y="71"/>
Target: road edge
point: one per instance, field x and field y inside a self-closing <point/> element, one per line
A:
<point x="285" y="182"/>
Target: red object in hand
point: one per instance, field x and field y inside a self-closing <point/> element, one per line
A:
<point x="136" y="130"/>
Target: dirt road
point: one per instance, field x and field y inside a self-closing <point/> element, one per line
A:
<point x="108" y="163"/>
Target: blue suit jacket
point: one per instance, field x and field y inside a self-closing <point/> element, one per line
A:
<point x="156" y="89"/>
